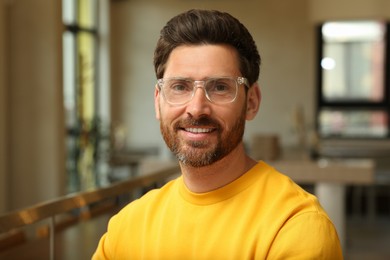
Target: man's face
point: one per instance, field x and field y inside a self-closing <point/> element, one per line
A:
<point x="199" y="132"/>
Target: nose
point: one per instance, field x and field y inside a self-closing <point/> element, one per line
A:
<point x="199" y="104"/>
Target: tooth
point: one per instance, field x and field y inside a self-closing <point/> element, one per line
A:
<point x="198" y="130"/>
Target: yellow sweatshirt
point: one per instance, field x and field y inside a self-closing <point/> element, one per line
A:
<point x="261" y="215"/>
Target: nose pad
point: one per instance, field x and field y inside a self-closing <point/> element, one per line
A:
<point x="199" y="105"/>
<point x="199" y="85"/>
<point x="202" y="94"/>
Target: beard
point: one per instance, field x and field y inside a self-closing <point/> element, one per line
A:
<point x="203" y="153"/>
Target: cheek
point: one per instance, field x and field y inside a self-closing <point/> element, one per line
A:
<point x="239" y="116"/>
<point x="165" y="112"/>
<point x="169" y="114"/>
<point x="228" y="118"/>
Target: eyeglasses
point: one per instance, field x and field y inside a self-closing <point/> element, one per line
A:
<point x="179" y="91"/>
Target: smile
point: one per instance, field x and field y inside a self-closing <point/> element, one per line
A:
<point x="198" y="130"/>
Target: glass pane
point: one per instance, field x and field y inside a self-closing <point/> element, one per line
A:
<point x="353" y="123"/>
<point x="86" y="63"/>
<point x="87" y="13"/>
<point x="69" y="11"/>
<point x="353" y="61"/>
<point x="69" y="78"/>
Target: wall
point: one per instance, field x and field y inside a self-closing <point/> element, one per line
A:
<point x="349" y="9"/>
<point x="31" y="120"/>
<point x="285" y="38"/>
<point x="34" y="109"/>
<point x="32" y="131"/>
<point x="3" y="112"/>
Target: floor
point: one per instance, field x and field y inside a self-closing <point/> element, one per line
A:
<point x="368" y="239"/>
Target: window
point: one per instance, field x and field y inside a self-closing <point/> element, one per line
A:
<point x="81" y="93"/>
<point x="353" y="96"/>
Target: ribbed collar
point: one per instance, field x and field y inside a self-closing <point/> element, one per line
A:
<point x="223" y="193"/>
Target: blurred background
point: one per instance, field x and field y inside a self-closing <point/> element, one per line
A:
<point x="77" y="84"/>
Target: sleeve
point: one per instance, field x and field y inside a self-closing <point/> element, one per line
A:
<point x="310" y="235"/>
<point x="101" y="252"/>
<point x="106" y="247"/>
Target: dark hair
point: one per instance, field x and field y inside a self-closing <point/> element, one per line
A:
<point x="196" y="27"/>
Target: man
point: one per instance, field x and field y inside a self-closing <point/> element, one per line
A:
<point x="225" y="205"/>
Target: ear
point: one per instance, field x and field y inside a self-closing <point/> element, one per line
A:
<point x="157" y="102"/>
<point x="253" y="101"/>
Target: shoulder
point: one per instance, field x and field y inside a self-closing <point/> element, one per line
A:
<point x="146" y="203"/>
<point x="154" y="196"/>
<point x="130" y="221"/>
<point x="280" y="187"/>
<point x="303" y="229"/>
<point x="284" y="200"/>
<point x="309" y="235"/>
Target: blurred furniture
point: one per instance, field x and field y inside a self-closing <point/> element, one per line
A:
<point x="265" y="147"/>
<point x="129" y="158"/>
<point x="377" y="150"/>
<point x="330" y="178"/>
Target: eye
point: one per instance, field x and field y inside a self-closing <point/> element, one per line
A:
<point x="180" y="86"/>
<point x="220" y="86"/>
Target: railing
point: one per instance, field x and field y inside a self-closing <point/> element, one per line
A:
<point x="50" y="209"/>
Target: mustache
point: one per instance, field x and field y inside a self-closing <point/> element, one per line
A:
<point x="202" y="121"/>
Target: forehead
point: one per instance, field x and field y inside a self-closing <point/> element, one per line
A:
<point x="202" y="61"/>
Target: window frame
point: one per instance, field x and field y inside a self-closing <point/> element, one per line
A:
<point x="352" y="105"/>
<point x="83" y="134"/>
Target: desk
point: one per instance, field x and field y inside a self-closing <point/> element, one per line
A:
<point x="329" y="178"/>
<point x="131" y="158"/>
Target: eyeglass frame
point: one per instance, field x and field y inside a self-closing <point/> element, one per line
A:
<point x="195" y="83"/>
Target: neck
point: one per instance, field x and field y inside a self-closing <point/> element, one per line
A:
<point x="218" y="174"/>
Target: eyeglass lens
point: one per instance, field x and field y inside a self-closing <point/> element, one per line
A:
<point x="218" y="90"/>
